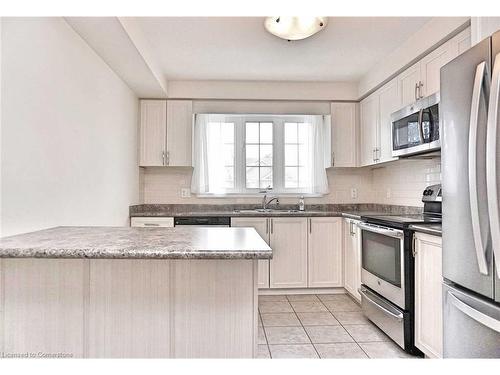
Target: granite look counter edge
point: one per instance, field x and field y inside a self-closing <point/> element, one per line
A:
<point x="137" y="243"/>
<point x="434" y="229"/>
<point x="353" y="211"/>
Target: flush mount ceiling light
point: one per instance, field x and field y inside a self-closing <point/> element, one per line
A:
<point x="294" y="28"/>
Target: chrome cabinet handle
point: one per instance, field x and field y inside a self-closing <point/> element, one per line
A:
<point x="151" y="224"/>
<point x="420" y="85"/>
<point x="267" y="225"/>
<point x="491" y="161"/>
<point x="373" y="300"/>
<point x="168" y="158"/>
<point x="272" y="225"/>
<point x="473" y="193"/>
<point x="478" y="316"/>
<point x="373" y="155"/>
<point x="414" y="245"/>
<point x="333" y="159"/>
<point x="163" y="157"/>
<point x="416" y="88"/>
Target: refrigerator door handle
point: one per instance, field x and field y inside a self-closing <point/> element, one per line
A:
<point x="478" y="316"/>
<point x="473" y="193"/>
<point x="491" y="161"/>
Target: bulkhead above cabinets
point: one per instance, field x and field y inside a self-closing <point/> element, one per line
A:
<point x="165" y="132"/>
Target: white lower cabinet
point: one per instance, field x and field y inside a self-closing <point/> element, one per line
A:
<point x="428" y="295"/>
<point x="352" y="257"/>
<point x="288" y="268"/>
<point x="261" y="225"/>
<point x="325" y="252"/>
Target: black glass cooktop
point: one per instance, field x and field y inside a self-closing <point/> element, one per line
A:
<point x="402" y="221"/>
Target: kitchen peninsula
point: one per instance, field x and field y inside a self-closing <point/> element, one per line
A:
<point x="122" y="292"/>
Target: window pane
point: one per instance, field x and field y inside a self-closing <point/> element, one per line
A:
<point x="266" y="155"/>
<point x="252" y="177"/>
<point x="229" y="178"/>
<point x="266" y="177"/>
<point x="303" y="155"/>
<point x="252" y="155"/>
<point x="266" y="132"/>
<point x="304" y="133"/>
<point x="228" y="154"/>
<point x="227" y="131"/>
<point x="303" y="177"/>
<point x="290" y="132"/>
<point x="291" y="155"/>
<point x="252" y="132"/>
<point x="291" y="178"/>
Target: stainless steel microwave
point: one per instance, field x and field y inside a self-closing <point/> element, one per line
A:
<point x="415" y="128"/>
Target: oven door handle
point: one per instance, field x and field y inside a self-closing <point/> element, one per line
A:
<point x="373" y="299"/>
<point x="379" y="230"/>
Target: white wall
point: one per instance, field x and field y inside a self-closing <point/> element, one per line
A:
<point x="269" y="90"/>
<point x="69" y="131"/>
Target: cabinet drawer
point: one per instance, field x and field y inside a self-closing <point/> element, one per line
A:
<point x="152" y="222"/>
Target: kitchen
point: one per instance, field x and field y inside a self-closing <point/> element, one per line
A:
<point x="169" y="192"/>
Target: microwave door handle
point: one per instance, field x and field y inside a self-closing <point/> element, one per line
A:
<point x="480" y="245"/>
<point x="491" y="162"/>
<point x="420" y="125"/>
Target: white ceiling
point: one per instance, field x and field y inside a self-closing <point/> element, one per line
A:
<point x="239" y="48"/>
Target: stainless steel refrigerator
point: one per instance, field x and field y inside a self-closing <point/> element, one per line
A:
<point x="470" y="167"/>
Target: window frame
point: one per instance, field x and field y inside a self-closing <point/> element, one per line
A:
<point x="278" y="166"/>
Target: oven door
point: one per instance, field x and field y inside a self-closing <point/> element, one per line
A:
<point x="382" y="260"/>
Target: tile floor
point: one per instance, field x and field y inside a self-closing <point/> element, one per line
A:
<point x="319" y="326"/>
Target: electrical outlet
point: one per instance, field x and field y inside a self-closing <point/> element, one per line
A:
<point x="388" y="193"/>
<point x="185" y="192"/>
<point x="354" y="193"/>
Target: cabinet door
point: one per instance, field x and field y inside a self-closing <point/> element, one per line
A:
<point x="428" y="295"/>
<point x="430" y="67"/>
<point x="368" y="129"/>
<point x="288" y="268"/>
<point x="152" y="133"/>
<point x="261" y="225"/>
<point x="389" y="100"/>
<point x="352" y="258"/>
<point x="179" y="132"/>
<point x="407" y="81"/>
<point x="325" y="252"/>
<point x="462" y="41"/>
<point x="344" y="134"/>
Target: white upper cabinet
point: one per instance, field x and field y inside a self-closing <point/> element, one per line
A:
<point x="430" y="67"/>
<point x="368" y="130"/>
<point x="152" y="133"/>
<point x="325" y="252"/>
<point x="344" y="119"/>
<point x="462" y="41"/>
<point x="408" y="82"/>
<point x="389" y="99"/>
<point x="179" y="133"/>
<point x="165" y="133"/>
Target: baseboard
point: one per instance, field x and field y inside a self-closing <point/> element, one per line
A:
<point x="271" y="292"/>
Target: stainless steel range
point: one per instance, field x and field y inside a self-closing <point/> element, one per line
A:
<point x="387" y="274"/>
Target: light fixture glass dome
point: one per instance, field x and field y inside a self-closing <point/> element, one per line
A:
<point x="294" y="28"/>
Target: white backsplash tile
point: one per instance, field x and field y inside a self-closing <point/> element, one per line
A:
<point x="405" y="179"/>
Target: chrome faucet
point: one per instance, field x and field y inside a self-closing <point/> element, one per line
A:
<point x="266" y="203"/>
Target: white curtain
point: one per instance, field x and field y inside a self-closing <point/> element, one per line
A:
<point x="316" y="181"/>
<point x="208" y="173"/>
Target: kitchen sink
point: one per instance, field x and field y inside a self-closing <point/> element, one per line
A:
<point x="267" y="211"/>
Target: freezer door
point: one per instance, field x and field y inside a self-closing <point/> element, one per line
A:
<point x="494" y="103"/>
<point x="463" y="111"/>
<point x="471" y="325"/>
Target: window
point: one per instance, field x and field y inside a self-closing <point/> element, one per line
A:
<point x="248" y="154"/>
